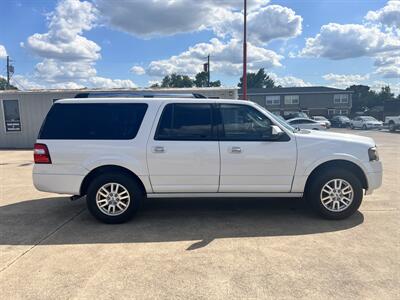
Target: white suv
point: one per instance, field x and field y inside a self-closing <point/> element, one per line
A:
<point x="120" y="151"/>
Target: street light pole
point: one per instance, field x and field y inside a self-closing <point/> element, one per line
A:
<point x="208" y="73"/>
<point x="244" y="80"/>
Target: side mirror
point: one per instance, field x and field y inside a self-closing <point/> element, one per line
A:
<point x="276" y="130"/>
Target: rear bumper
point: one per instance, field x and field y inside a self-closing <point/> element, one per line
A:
<point x="56" y="183"/>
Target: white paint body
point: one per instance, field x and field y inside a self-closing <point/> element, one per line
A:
<point x="204" y="168"/>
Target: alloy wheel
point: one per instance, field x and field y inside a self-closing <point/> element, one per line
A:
<point x="113" y="199"/>
<point x="337" y="195"/>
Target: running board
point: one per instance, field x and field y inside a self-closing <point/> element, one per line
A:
<point x="225" y="195"/>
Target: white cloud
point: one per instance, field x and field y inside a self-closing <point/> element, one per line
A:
<point x="226" y="58"/>
<point x="289" y="81"/>
<point x="336" y="41"/>
<point x="343" y="81"/>
<point x="51" y="70"/>
<point x="389" y="15"/>
<point x="3" y="52"/>
<point x="68" y="57"/>
<point x="225" y="18"/>
<point x="138" y="70"/>
<point x="102" y="82"/>
<point x="272" y="22"/>
<point x="378" y="84"/>
<point x="24" y="83"/>
<point x="388" y="65"/>
<point x="64" y="40"/>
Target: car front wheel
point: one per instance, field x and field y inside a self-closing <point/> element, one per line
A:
<point x="113" y="198"/>
<point x="335" y="194"/>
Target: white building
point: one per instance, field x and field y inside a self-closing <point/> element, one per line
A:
<point x="22" y="112"/>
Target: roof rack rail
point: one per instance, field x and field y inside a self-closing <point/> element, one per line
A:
<point x="136" y="95"/>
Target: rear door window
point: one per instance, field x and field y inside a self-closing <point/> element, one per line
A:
<point x="186" y="121"/>
<point x="93" y="121"/>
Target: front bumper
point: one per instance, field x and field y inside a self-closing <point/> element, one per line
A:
<point x="374" y="176"/>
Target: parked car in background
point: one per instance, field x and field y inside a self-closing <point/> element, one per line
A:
<point x="340" y="121"/>
<point x="323" y="120"/>
<point x="393" y="122"/>
<point x="294" y="115"/>
<point x="119" y="152"/>
<point x="304" y="123"/>
<point x="366" y="122"/>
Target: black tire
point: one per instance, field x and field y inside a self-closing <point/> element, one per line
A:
<point x="392" y="127"/>
<point x="318" y="182"/>
<point x="135" y="193"/>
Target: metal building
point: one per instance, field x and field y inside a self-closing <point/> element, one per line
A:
<point x="22" y="112"/>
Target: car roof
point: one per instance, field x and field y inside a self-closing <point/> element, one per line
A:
<point x="151" y="100"/>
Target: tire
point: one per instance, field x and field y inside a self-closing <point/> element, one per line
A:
<point x="122" y="209"/>
<point x="315" y="194"/>
<point x="392" y="127"/>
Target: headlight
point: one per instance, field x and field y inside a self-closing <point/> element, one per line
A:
<point x="373" y="154"/>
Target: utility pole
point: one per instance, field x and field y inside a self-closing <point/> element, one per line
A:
<point x="244" y="80"/>
<point x="208" y="73"/>
<point x="10" y="71"/>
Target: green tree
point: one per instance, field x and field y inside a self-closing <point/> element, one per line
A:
<point x="258" y="80"/>
<point x="384" y="95"/>
<point x="176" y="81"/>
<point x="363" y="97"/>
<point x="4" y="85"/>
<point x="201" y="80"/>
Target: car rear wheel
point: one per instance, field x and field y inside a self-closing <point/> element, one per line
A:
<point x="392" y="127"/>
<point x="113" y="198"/>
<point x="335" y="194"/>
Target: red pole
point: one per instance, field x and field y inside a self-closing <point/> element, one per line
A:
<point x="244" y="81"/>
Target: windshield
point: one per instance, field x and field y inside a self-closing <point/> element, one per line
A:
<point x="277" y="119"/>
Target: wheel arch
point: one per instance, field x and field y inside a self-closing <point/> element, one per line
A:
<point x="338" y="163"/>
<point x="109" y="169"/>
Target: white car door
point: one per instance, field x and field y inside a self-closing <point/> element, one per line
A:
<point x="183" y="151"/>
<point x="357" y="122"/>
<point x="250" y="160"/>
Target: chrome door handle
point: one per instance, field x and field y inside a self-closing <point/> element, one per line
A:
<point x="158" y="149"/>
<point x="235" y="150"/>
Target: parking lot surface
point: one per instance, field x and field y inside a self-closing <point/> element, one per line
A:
<point x="198" y="248"/>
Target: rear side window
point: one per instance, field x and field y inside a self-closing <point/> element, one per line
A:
<point x="185" y="121"/>
<point x="93" y="121"/>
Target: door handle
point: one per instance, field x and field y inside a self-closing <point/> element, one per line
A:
<point x="158" y="149"/>
<point x="235" y="149"/>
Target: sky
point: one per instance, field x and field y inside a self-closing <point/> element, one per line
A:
<point x="135" y="43"/>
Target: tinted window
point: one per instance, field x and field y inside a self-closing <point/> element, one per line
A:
<point x="186" y="122"/>
<point x="11" y="115"/>
<point x="97" y="121"/>
<point x="244" y="123"/>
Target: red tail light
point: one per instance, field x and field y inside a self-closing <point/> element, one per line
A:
<point x="41" y="154"/>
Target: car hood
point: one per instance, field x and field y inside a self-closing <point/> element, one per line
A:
<point x="374" y="122"/>
<point x="333" y="136"/>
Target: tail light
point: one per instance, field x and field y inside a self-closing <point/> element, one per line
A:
<point x="41" y="154"/>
